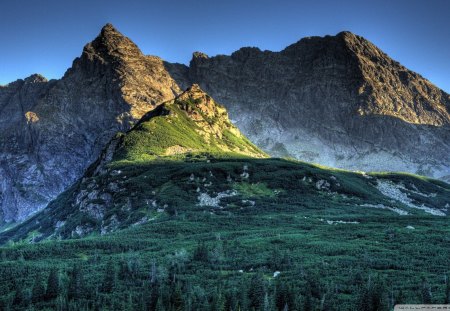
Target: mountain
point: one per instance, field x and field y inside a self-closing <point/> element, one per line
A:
<point x="185" y="157"/>
<point x="190" y="128"/>
<point x="183" y="211"/>
<point x="334" y="100"/>
<point x="50" y="131"/>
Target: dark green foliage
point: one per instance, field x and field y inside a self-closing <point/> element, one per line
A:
<point x="53" y="284"/>
<point x="426" y="292"/>
<point x="224" y="257"/>
<point x="256" y="292"/>
<point x="76" y="286"/>
<point x="109" y="280"/>
<point x="38" y="292"/>
<point x="201" y="253"/>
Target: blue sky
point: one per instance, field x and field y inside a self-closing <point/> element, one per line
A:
<point x="44" y="36"/>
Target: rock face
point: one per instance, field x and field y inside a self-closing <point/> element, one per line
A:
<point x="192" y="128"/>
<point x="336" y="100"/>
<point x="50" y="131"/>
<point x="191" y="125"/>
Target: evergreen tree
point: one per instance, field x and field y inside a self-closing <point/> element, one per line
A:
<point x="38" y="292"/>
<point x="218" y="301"/>
<point x="307" y="303"/>
<point x="52" y="284"/>
<point x="110" y="278"/>
<point x="76" y="284"/>
<point x="426" y="292"/>
<point x="231" y="301"/>
<point x="201" y="253"/>
<point x="21" y="296"/>
<point x="363" y="303"/>
<point x="177" y="298"/>
<point x="399" y="299"/>
<point x="160" y="305"/>
<point x="377" y="295"/>
<point x="447" y="293"/>
<point x="257" y="291"/>
<point x="281" y="296"/>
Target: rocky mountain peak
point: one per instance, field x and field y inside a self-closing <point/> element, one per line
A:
<point x="199" y="55"/>
<point x="111" y="45"/>
<point x="50" y="132"/>
<point x="192" y="123"/>
<point x="200" y="106"/>
<point x="35" y="78"/>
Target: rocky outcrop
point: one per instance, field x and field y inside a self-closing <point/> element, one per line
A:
<point x="50" y="131"/>
<point x="336" y="100"/>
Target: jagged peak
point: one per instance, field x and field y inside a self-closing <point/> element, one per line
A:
<point x="111" y="42"/>
<point x="108" y="28"/>
<point x="198" y="54"/>
<point x="194" y="91"/>
<point x="35" y="78"/>
<point x="346" y="33"/>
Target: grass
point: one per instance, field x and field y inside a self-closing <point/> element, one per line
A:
<point x="165" y="251"/>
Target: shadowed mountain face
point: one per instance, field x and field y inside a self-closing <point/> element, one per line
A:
<point x="338" y="101"/>
<point x="186" y="158"/>
<point x="50" y="131"/>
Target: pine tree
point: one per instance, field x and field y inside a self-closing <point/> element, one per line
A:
<point x="257" y="291"/>
<point x="177" y="298"/>
<point x="110" y="278"/>
<point x="364" y="303"/>
<point x="426" y="292"/>
<point x="52" y="285"/>
<point x="447" y="293"/>
<point x="76" y="284"/>
<point x="377" y="294"/>
<point x="201" y="253"/>
<point x="21" y="297"/>
<point x="160" y="305"/>
<point x="307" y="303"/>
<point x="399" y="299"/>
<point x="281" y="296"/>
<point x="218" y="301"/>
<point x="38" y="292"/>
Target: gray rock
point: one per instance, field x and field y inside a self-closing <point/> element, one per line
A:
<point x="50" y="131"/>
<point x="334" y="100"/>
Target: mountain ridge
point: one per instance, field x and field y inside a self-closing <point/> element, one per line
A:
<point x="323" y="100"/>
<point x="303" y="102"/>
<point x="72" y="119"/>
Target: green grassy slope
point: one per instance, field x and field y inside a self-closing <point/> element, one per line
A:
<point x="184" y="213"/>
<point x="323" y="242"/>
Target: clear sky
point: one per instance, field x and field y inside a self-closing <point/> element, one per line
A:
<point x="44" y="36"/>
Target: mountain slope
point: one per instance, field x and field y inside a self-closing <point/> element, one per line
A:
<point x="185" y="158"/>
<point x="190" y="128"/>
<point x="183" y="205"/>
<point x="335" y="100"/>
<point x="50" y="131"/>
